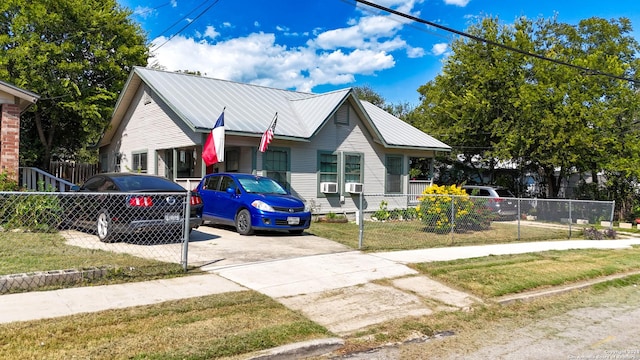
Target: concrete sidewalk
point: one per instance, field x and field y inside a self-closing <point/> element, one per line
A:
<point x="338" y="291"/>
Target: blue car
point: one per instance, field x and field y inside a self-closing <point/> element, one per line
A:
<point x="251" y="202"/>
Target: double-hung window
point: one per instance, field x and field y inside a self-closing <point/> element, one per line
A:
<point x="353" y="167"/>
<point x="328" y="166"/>
<point x="139" y="162"/>
<point x="393" y="179"/>
<point x="277" y="165"/>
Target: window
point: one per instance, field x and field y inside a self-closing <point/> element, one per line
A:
<point x="227" y="183"/>
<point x="353" y="168"/>
<point x="139" y="162"/>
<point x="328" y="167"/>
<point x="394" y="174"/>
<point x="275" y="162"/>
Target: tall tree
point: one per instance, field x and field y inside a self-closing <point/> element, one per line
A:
<point x="497" y="104"/>
<point x="75" y="54"/>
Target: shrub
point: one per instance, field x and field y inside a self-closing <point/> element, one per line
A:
<point x="382" y="214"/>
<point x="443" y="208"/>
<point x="6" y="183"/>
<point x="592" y="233"/>
<point x="32" y="212"/>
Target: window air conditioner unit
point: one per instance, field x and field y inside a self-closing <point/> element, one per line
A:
<point x="354" y="188"/>
<point x="329" y="187"/>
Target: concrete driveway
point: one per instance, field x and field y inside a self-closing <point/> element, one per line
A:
<point x="216" y="247"/>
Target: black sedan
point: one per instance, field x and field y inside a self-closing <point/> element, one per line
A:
<point x="114" y="204"/>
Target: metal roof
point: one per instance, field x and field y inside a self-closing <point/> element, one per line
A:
<point x="249" y="109"/>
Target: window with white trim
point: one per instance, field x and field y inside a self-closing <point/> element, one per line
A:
<point x="139" y="162"/>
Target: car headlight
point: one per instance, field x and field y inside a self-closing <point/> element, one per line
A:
<point x="307" y="207"/>
<point x="261" y="205"/>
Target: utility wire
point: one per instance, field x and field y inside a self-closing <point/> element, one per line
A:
<point x="188" y="24"/>
<point x="490" y="42"/>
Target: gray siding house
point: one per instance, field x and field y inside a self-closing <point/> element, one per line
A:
<point x="327" y="147"/>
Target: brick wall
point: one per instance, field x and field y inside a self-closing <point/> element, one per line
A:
<point x="10" y="139"/>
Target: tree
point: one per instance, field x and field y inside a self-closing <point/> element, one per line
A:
<point x="495" y="104"/>
<point x="366" y="93"/>
<point x="75" y="54"/>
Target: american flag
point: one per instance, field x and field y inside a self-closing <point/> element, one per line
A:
<point x="268" y="135"/>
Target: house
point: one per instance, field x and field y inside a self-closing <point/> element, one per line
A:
<point x="13" y="102"/>
<point x="327" y="147"/>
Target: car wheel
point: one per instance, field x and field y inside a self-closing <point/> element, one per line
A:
<point x="104" y="227"/>
<point x="296" y="232"/>
<point x="243" y="222"/>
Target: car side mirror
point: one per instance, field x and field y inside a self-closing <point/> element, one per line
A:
<point x="231" y="190"/>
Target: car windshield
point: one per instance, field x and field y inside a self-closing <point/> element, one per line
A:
<point x="261" y="185"/>
<point x="144" y="183"/>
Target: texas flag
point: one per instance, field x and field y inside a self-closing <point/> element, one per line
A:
<point x="213" y="150"/>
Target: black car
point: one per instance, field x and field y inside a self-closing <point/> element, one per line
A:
<point x="114" y="204"/>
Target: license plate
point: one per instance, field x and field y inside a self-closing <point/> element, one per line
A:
<point x="171" y="217"/>
<point x="293" y="220"/>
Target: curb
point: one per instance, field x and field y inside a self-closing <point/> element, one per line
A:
<point x="532" y="295"/>
<point x="300" y="350"/>
<point x="35" y="280"/>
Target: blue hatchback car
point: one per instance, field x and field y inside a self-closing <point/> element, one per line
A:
<point x="251" y="202"/>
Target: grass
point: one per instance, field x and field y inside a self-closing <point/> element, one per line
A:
<point x="235" y="324"/>
<point x="406" y="235"/>
<point x="208" y="327"/>
<point x="495" y="276"/>
<point x="470" y="329"/>
<point x="32" y="252"/>
<point x="232" y="325"/>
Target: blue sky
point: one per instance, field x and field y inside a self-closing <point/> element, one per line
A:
<point x="323" y="45"/>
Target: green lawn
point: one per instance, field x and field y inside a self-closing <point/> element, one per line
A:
<point x="406" y="235"/>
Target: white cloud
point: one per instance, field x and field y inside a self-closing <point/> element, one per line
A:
<point x="174" y="3"/>
<point x="439" y="49"/>
<point x="461" y="3"/>
<point x="415" y="52"/>
<point x="365" y="46"/>
<point x="143" y="11"/>
<point x="211" y="32"/>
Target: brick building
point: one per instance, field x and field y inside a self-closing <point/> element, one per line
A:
<point x="13" y="101"/>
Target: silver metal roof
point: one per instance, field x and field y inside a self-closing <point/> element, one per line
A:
<point x="249" y="109"/>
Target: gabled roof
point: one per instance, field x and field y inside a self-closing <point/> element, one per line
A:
<point x="249" y="109"/>
<point x="25" y="98"/>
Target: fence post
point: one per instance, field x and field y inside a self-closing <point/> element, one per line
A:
<point x="570" y="219"/>
<point x="361" y="222"/>
<point x="453" y="216"/>
<point x="186" y="230"/>
<point x="613" y="209"/>
<point x="519" y="216"/>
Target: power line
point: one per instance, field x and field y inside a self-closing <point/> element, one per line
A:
<point x="188" y="24"/>
<point x="490" y="42"/>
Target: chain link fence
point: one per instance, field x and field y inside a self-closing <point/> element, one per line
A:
<point x="53" y="239"/>
<point x="415" y="221"/>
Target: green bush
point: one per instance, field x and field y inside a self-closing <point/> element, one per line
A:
<point x="7" y="183"/>
<point x="382" y="214"/>
<point x="443" y="208"/>
<point x="31" y="212"/>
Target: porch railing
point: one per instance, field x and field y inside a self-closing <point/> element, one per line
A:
<point x="188" y="183"/>
<point x="30" y="178"/>
<point x="416" y="187"/>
